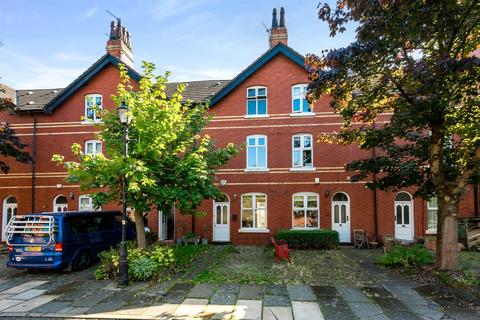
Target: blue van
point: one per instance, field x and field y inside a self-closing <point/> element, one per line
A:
<point x="62" y="240"/>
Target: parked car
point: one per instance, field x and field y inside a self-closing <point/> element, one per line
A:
<point x="62" y="240"/>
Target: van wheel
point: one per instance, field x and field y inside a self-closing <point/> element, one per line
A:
<point x="82" y="260"/>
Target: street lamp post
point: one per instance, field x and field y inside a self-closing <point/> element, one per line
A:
<point x="125" y="121"/>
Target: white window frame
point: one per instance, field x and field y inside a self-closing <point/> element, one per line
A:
<point x="92" y="96"/>
<point x="87" y="196"/>
<point x="94" y="148"/>
<point x="305" y="207"/>
<point x="55" y="203"/>
<point x="254" y="209"/>
<point x="301" y="149"/>
<point x="257" y="146"/>
<point x="256" y="98"/>
<point x="303" y="92"/>
<point x="431" y="230"/>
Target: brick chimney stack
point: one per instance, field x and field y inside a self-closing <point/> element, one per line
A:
<point x="278" y="32"/>
<point x="119" y="44"/>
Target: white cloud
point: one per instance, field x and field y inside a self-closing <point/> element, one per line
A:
<point x="89" y="13"/>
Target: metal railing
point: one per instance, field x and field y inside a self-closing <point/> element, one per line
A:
<point x="31" y="225"/>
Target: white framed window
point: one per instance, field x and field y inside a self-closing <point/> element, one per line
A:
<point x="302" y="151"/>
<point x="257" y="152"/>
<point x="254" y="211"/>
<point x="432" y="214"/>
<point x="93" y="147"/>
<point x="257" y="101"/>
<point x="60" y="204"/>
<point x="300" y="104"/>
<point x="85" y="203"/>
<point x="305" y="211"/>
<point x="93" y="107"/>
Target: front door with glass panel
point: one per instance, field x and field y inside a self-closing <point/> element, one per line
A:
<point x="341" y="217"/>
<point x="221" y="221"/>
<point x="9" y="210"/>
<point x="163" y="226"/>
<point x="403" y="220"/>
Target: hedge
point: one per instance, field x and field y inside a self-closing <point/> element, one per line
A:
<point x="309" y="239"/>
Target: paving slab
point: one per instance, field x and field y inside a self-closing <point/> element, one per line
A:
<point x="74" y="311"/>
<point x="203" y="290"/>
<point x="251" y="292"/>
<point x="228" y="288"/>
<point x="7" y="303"/>
<point x="305" y="310"/>
<point x="165" y="310"/>
<point x="301" y="293"/>
<point x="93" y="299"/>
<point x="335" y="308"/>
<point x="247" y="310"/>
<point x="191" y="308"/>
<point x="5" y="295"/>
<point x="352" y="294"/>
<point x="277" y="313"/>
<point x="29" y="294"/>
<point x="218" y="312"/>
<point x="29" y="305"/>
<point x="52" y="307"/>
<point x="377" y="292"/>
<point x="325" y="291"/>
<point x="24" y="287"/>
<point x="367" y="310"/>
<point x="276" y="301"/>
<point x="276" y="290"/>
<point x="223" y="299"/>
<point x="406" y="315"/>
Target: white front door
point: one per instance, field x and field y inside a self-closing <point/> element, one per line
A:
<point x="9" y="210"/>
<point x="341" y="220"/>
<point x="162" y="226"/>
<point x="221" y="221"/>
<point x="404" y="220"/>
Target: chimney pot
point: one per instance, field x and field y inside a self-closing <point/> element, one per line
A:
<point x="119" y="43"/>
<point x="278" y="33"/>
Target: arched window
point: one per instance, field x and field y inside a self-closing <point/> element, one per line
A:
<point x="257" y="152"/>
<point x="254" y="211"/>
<point x="305" y="211"/>
<point x="93" y="107"/>
<point x="403" y="196"/>
<point x="60" y="204"/>
<point x="340" y="196"/>
<point x="256" y="101"/>
<point x="9" y="210"/>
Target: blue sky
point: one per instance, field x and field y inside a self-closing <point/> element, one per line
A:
<point x="48" y="43"/>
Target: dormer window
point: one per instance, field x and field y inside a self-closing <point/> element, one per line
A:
<point x="257" y="101"/>
<point x="93" y="107"/>
<point x="299" y="101"/>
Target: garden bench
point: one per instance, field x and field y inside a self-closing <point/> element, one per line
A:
<point x="281" y="250"/>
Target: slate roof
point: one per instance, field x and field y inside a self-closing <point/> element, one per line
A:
<point x="35" y="99"/>
<point x="198" y="91"/>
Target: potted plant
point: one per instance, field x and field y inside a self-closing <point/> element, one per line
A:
<point x="190" y="238"/>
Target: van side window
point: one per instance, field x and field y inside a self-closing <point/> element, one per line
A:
<point x="104" y="223"/>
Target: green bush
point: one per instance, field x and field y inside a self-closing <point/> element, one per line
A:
<point x="142" y="268"/>
<point x="309" y="239"/>
<point x="401" y="256"/>
<point x="145" y="263"/>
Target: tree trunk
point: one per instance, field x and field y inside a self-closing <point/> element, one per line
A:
<point x="140" y="228"/>
<point x="447" y="233"/>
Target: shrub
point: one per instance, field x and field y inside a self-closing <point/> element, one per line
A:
<point x="142" y="268"/>
<point x="309" y="239"/>
<point x="401" y="256"/>
<point x="162" y="256"/>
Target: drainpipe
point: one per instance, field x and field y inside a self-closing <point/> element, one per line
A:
<point x="374" y="193"/>
<point x="34" y="159"/>
<point x="475" y="200"/>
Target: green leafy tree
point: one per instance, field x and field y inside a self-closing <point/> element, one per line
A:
<point x="10" y="144"/>
<point x="414" y="59"/>
<point x="169" y="160"/>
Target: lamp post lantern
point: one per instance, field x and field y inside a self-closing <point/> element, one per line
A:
<point x="123" y="115"/>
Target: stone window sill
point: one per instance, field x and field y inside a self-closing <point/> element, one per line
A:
<point x="253" y="230"/>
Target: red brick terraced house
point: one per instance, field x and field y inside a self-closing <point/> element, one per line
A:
<point x="282" y="179"/>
